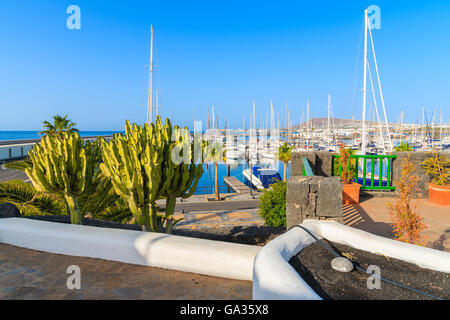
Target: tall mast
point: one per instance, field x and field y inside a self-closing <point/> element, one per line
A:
<point x="209" y="120"/>
<point x="423" y="124"/>
<point x="150" y="81"/>
<point x="329" y="115"/>
<point x="307" y="122"/>
<point x="363" y="138"/>
<point x="272" y="116"/>
<point x="379" y="86"/>
<point x="254" y="116"/>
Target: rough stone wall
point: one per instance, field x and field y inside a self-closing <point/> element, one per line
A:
<point x="8" y="210"/>
<point x="417" y="158"/>
<point x="313" y="198"/>
<point x="320" y="162"/>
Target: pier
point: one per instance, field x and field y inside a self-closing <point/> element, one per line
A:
<point x="236" y="185"/>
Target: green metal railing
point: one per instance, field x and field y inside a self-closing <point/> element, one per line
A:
<point x="383" y="182"/>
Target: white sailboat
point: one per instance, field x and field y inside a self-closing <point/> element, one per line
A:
<point x="386" y="145"/>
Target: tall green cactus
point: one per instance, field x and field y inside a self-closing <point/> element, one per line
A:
<point x="143" y="168"/>
<point x="134" y="163"/>
<point x="59" y="166"/>
<point x="184" y="156"/>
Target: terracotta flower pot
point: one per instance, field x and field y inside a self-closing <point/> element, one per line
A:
<point x="350" y="193"/>
<point x="439" y="195"/>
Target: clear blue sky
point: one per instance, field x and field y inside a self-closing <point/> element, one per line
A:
<point x="221" y="53"/>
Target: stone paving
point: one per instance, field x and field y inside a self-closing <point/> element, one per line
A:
<point x="30" y="274"/>
<point x="10" y="174"/>
<point x="372" y="215"/>
<point x="218" y="219"/>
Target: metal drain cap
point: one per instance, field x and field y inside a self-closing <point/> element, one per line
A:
<point x="342" y="264"/>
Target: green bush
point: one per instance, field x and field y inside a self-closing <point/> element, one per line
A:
<point x="403" y="147"/>
<point x="272" y="205"/>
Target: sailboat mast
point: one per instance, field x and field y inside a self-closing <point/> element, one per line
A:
<point x="307" y="122"/>
<point x="329" y="114"/>
<point x="150" y="81"/>
<point x="363" y="137"/>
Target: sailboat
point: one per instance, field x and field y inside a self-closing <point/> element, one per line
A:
<point x="386" y="145"/>
<point x="256" y="175"/>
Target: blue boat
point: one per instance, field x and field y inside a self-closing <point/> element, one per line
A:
<point x="261" y="177"/>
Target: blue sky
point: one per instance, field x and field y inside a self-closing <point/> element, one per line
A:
<point x="221" y="53"/>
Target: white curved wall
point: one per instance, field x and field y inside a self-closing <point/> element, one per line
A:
<point x="201" y="256"/>
<point x="275" y="278"/>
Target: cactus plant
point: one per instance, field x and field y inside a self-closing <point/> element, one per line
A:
<point x="133" y="162"/>
<point x="184" y="158"/>
<point x="143" y="166"/>
<point x="60" y="165"/>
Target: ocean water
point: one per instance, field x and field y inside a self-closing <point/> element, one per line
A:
<point x="206" y="183"/>
<point x="25" y="135"/>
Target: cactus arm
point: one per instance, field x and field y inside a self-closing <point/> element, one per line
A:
<point x="74" y="210"/>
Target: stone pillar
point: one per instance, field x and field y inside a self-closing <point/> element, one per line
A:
<point x="323" y="163"/>
<point x="320" y="162"/>
<point x="313" y="198"/>
<point x="297" y="163"/>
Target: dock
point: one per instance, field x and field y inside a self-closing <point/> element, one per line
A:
<point x="236" y="185"/>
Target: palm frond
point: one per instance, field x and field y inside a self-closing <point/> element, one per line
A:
<point x="29" y="201"/>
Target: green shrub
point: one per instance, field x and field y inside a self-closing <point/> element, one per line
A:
<point x="403" y="147"/>
<point x="438" y="167"/>
<point x="272" y="205"/>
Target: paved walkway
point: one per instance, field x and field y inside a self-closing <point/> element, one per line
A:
<point x="218" y="219"/>
<point x="10" y="174"/>
<point x="372" y="215"/>
<point x="30" y="274"/>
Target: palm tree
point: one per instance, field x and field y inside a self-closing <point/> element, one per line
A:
<point x="60" y="124"/>
<point x="215" y="154"/>
<point x="102" y="203"/>
<point x="285" y="155"/>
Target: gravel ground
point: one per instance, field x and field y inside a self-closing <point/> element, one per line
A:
<point x="253" y="235"/>
<point x="313" y="263"/>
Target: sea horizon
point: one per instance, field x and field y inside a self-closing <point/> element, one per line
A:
<point x="11" y="135"/>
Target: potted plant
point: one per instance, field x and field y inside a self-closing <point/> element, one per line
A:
<point x="350" y="190"/>
<point x="437" y="167"/>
